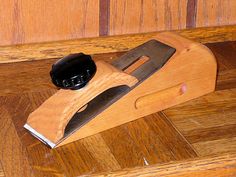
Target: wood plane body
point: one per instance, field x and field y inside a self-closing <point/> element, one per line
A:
<point x="188" y="74"/>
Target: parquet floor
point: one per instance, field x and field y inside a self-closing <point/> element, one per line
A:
<point x="202" y="127"/>
<point x="1" y="171"/>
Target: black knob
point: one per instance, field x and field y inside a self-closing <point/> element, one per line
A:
<point x="73" y="71"/>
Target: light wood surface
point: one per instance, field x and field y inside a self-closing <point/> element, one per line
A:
<point x="29" y="21"/>
<point x="1" y="171"/>
<point x="29" y="52"/>
<point x="26" y="21"/>
<point x="215" y="12"/>
<point x="127" y="17"/>
<point x="185" y="67"/>
<point x="153" y="140"/>
<point x="13" y="154"/>
<point x="161" y="97"/>
<point x="205" y="167"/>
<point x="51" y="122"/>
<point x="181" y="79"/>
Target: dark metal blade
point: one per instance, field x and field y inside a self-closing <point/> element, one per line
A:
<point x="96" y="106"/>
<point x="158" y="54"/>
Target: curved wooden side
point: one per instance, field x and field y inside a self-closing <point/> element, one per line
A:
<point x="53" y="115"/>
<point x="193" y="65"/>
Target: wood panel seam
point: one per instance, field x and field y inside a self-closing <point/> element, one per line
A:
<point x="177" y="130"/>
<point x="104" y="17"/>
<point x="191" y="13"/>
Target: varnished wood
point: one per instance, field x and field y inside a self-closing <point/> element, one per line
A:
<point x="225" y="78"/>
<point x="111" y="150"/>
<point x="177" y="71"/>
<point x="209" y="125"/>
<point x="43" y="82"/>
<point x="68" y="102"/>
<point x="136" y="16"/>
<point x="165" y="95"/>
<point x="1" y="171"/>
<point x="13" y="154"/>
<point x="206" y="167"/>
<point x="229" y="52"/>
<point x="25" y="21"/>
<point x="137" y="64"/>
<point x="214" y="114"/>
<point x="148" y="141"/>
<point x="215" y="147"/>
<point x="29" y="52"/>
<point x="215" y="12"/>
<point x="104" y="15"/>
<point x="191" y="13"/>
<point x="145" y="99"/>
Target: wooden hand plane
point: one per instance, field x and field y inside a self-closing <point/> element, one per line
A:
<point x="163" y="72"/>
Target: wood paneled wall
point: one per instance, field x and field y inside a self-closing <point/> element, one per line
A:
<point x="141" y="16"/>
<point x="29" y="21"/>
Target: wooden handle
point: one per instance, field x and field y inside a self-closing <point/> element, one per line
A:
<point x="161" y="98"/>
<point x="51" y="118"/>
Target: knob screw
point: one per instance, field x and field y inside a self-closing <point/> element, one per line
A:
<point x="73" y="71"/>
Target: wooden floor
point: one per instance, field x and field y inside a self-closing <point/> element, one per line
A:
<point x="199" y="128"/>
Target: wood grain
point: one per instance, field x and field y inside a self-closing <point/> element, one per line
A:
<point x="210" y="134"/>
<point x="29" y="52"/>
<point x="225" y="79"/>
<point x="111" y="150"/>
<point x="215" y="147"/>
<point x="13" y="153"/>
<point x="75" y="160"/>
<point x="215" y="12"/>
<point x="117" y="140"/>
<point x="69" y="102"/>
<point x="1" y="171"/>
<point x="206" y="112"/>
<point x="104" y="17"/>
<point x="210" y="131"/>
<point x="101" y="152"/>
<point x="179" y="147"/>
<point x="191" y="13"/>
<point x="182" y="66"/>
<point x="149" y="141"/>
<point x="208" y="123"/>
<point x="205" y="167"/>
<point x="43" y="81"/>
<point x="225" y="58"/>
<point x="26" y="21"/>
<point x="137" y="16"/>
